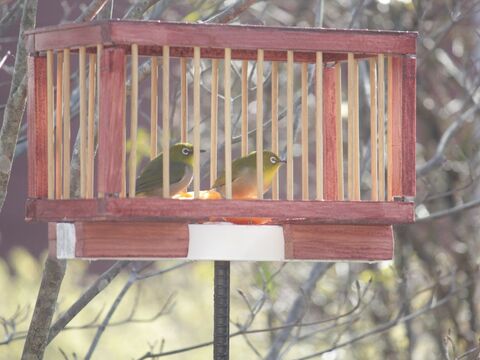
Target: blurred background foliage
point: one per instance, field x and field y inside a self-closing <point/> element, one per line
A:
<point x="423" y="305"/>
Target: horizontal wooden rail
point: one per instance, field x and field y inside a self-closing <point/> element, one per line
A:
<point x="246" y="37"/>
<point x="191" y="211"/>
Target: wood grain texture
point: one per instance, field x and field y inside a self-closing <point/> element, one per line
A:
<point x="259" y="121"/>
<point x="330" y="173"/>
<point x="338" y="86"/>
<point x="333" y="242"/>
<point x="132" y="161"/>
<point x="111" y="124"/>
<point x="59" y="127"/>
<point x="194" y="211"/>
<point x="304" y="133"/>
<point x="130" y="240"/>
<point x="37" y="127"/>
<point x="290" y="118"/>
<point x="408" y="126"/>
<point x="196" y="121"/>
<point x="381" y="126"/>
<point x="155" y="33"/>
<point x="274" y="107"/>
<point x="49" y="130"/>
<point x="396" y="127"/>
<point x="166" y="121"/>
<point x="154" y="107"/>
<point x="52" y="239"/>
<point x="66" y="123"/>
<point x="214" y="122"/>
<point x="319" y="126"/>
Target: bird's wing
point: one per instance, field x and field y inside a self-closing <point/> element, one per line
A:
<point x="151" y="177"/>
<point x="237" y="167"/>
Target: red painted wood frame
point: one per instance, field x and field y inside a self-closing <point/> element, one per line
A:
<point x="244" y="40"/>
<point x="302" y="221"/>
<point x="37" y="127"/>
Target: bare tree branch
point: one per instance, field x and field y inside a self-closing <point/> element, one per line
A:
<point x="92" y="10"/>
<point x="137" y="10"/>
<point x="98" y="286"/>
<point x="437" y="160"/>
<point x="297" y="309"/>
<point x="232" y="12"/>
<point x="15" y="107"/>
<point x="37" y="335"/>
<point x="113" y="308"/>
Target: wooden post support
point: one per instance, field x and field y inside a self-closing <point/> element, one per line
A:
<point x="111" y="123"/>
<point x="37" y="127"/>
<point x="221" y="310"/>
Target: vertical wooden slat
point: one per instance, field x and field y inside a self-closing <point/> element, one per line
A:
<point x="244" y="150"/>
<point x="66" y="123"/>
<point x="275" y="190"/>
<point x="389" y="126"/>
<point x="82" y="74"/>
<point x="259" y="142"/>
<point x="91" y="124"/>
<point x="123" y="192"/>
<point x="166" y="124"/>
<point x="213" y="122"/>
<point x="356" y="138"/>
<point x="330" y="173"/>
<point x="338" y="101"/>
<point x="59" y="128"/>
<point x="319" y="124"/>
<point x="381" y="127"/>
<point x="196" y="121"/>
<point x="184" y="100"/>
<point x="289" y="125"/>
<point x="304" y="115"/>
<point x="351" y="123"/>
<point x="111" y="127"/>
<point x="154" y="108"/>
<point x="132" y="170"/>
<point x="51" y="149"/>
<point x="408" y="126"/>
<point x="373" y="129"/>
<point x="396" y="127"/>
<point x="38" y="117"/>
<point x="228" y="124"/>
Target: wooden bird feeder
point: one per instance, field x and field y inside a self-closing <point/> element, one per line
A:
<point x="346" y="96"/>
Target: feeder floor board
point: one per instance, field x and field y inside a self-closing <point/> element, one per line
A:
<point x="198" y="211"/>
<point x="97" y="240"/>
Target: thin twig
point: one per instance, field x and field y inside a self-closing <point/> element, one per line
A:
<point x="98" y="286"/>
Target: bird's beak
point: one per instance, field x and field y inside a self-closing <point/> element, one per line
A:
<point x="283" y="161"/>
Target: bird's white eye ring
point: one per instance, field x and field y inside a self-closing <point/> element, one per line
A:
<point x="273" y="159"/>
<point x="185" y="151"/>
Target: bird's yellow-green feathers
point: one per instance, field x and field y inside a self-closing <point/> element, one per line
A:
<point x="244" y="174"/>
<point x="150" y="181"/>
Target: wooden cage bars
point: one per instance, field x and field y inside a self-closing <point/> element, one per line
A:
<point x="302" y="68"/>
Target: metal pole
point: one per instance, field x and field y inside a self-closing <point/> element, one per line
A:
<point x="221" y="310"/>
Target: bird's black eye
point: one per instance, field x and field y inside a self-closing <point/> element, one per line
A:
<point x="185" y="151"/>
<point x="273" y="159"/>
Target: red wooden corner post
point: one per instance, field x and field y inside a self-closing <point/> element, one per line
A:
<point x="408" y="125"/>
<point x="330" y="173"/>
<point x="37" y="127"/>
<point x="111" y="124"/>
<point x="397" y="135"/>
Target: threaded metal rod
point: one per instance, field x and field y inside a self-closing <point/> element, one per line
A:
<point x="221" y="310"/>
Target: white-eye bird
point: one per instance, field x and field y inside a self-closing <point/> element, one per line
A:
<point x="150" y="181"/>
<point x="244" y="175"/>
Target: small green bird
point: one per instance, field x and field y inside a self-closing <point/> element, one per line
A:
<point x="244" y="175"/>
<point x="150" y="181"/>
